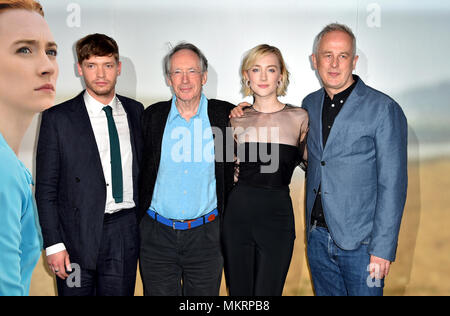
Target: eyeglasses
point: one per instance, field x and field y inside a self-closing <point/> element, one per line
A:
<point x="191" y="73"/>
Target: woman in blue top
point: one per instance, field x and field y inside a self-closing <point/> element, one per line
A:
<point x="28" y="72"/>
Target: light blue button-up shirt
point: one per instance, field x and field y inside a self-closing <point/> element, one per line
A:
<point x="186" y="183"/>
<point x="20" y="233"/>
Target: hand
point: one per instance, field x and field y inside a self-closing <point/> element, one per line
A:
<point x="379" y="267"/>
<point x="238" y="110"/>
<point x="59" y="263"/>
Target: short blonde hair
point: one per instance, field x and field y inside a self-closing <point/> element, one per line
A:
<point x="249" y="61"/>
<point x="30" y="5"/>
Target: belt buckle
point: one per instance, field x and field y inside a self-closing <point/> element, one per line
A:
<point x="174" y="223"/>
<point x="179" y="221"/>
<point x="210" y="218"/>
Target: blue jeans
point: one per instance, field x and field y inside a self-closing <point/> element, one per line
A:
<point x="338" y="272"/>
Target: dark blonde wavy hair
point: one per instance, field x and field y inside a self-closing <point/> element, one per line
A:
<point x="249" y="61"/>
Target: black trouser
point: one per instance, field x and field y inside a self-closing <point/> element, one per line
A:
<point x="115" y="274"/>
<point x="258" y="236"/>
<point x="180" y="262"/>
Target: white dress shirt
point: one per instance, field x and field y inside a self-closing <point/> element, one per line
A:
<point x="99" y="125"/>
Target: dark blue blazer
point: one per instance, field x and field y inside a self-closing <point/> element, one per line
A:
<point x="70" y="185"/>
<point x="362" y="169"/>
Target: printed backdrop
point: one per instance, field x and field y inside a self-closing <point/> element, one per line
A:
<point x="403" y="48"/>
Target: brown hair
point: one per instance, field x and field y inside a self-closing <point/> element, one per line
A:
<point x="96" y="45"/>
<point x="249" y="62"/>
<point x="30" y="5"/>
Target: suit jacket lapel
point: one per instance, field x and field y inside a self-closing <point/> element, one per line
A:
<point x="346" y="114"/>
<point x="315" y="109"/>
<point x="320" y="120"/>
<point x="213" y="119"/>
<point x="131" y="126"/>
<point x="158" y="126"/>
<point x="85" y="133"/>
<point x="219" y="120"/>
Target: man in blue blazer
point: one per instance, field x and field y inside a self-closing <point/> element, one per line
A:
<point x="87" y="169"/>
<point x="356" y="175"/>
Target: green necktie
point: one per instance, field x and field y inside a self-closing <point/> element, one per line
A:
<point x="116" y="161"/>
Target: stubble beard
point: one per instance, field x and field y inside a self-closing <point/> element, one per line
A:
<point x="106" y="91"/>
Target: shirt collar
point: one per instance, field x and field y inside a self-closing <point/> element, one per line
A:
<point x="95" y="107"/>
<point x="174" y="113"/>
<point x="343" y="95"/>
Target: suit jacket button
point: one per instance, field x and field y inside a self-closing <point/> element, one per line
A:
<point x="323" y="163"/>
<point x="77" y="180"/>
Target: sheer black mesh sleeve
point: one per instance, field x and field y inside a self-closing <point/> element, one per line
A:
<point x="270" y="145"/>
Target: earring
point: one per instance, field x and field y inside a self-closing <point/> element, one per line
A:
<point x="279" y="83"/>
<point x="247" y="83"/>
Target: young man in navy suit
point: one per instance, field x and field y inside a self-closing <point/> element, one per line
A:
<point x="87" y="169"/>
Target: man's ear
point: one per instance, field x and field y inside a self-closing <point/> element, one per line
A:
<point x="314" y="61"/>
<point x="80" y="70"/>
<point x="168" y="81"/>
<point x="355" y="59"/>
<point x="119" y="68"/>
<point x="204" y="78"/>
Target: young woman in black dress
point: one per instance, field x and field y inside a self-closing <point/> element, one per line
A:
<point x="258" y="231"/>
